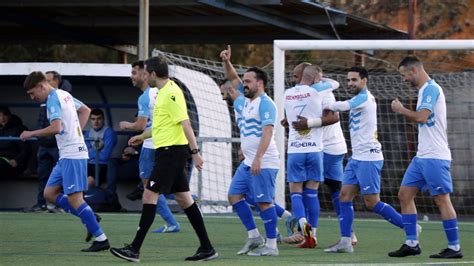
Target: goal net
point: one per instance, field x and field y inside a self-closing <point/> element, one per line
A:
<point x="214" y="125"/>
<point x="450" y="63"/>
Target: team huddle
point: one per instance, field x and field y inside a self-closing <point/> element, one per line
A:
<point x="316" y="149"/>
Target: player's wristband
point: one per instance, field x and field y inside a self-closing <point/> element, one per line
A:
<point x="194" y="151"/>
<point x="316" y="122"/>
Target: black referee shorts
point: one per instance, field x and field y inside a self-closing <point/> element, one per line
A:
<point x="168" y="174"/>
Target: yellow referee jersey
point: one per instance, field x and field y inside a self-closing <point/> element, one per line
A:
<point x="170" y="109"/>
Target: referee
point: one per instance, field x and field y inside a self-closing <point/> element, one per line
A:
<point x="174" y="140"/>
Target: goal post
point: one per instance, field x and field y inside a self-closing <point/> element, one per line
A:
<point x="280" y="47"/>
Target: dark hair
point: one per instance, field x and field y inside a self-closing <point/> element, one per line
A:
<point x="157" y="64"/>
<point x="260" y="74"/>
<point x="409" y="61"/>
<point x="56" y="75"/>
<point x="33" y="79"/>
<point x="97" y="112"/>
<point x="363" y="73"/>
<point x="139" y="63"/>
<point x="5" y="110"/>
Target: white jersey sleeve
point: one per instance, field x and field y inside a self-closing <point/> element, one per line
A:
<point x="333" y="139"/>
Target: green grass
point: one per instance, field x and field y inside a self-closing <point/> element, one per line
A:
<point x="56" y="239"/>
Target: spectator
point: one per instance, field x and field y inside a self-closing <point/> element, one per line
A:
<point x="13" y="154"/>
<point x="120" y="169"/>
<point x="48" y="153"/>
<point x="106" y="139"/>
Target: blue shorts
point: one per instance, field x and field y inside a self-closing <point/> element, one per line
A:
<point x="71" y="174"/>
<point x="261" y="187"/>
<point x="146" y="162"/>
<point x="365" y="174"/>
<point x="333" y="166"/>
<point x="432" y="174"/>
<point x="303" y="167"/>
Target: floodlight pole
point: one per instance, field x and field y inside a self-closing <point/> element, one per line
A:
<point x="144" y="29"/>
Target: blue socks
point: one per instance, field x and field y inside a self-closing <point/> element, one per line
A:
<point x="269" y="219"/>
<point x="335" y="202"/>
<point x="62" y="202"/>
<point x="311" y="202"/>
<point x="88" y="218"/>
<point x="409" y="225"/>
<point x="164" y="211"/>
<point x="451" y="230"/>
<point x="245" y="214"/>
<point x="279" y="210"/>
<point x="389" y="214"/>
<point x="346" y="218"/>
<point x="297" y="206"/>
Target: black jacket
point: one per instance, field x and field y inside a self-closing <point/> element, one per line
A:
<point x="18" y="150"/>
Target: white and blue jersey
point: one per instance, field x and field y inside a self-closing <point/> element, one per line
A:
<point x="305" y="156"/>
<point x="146" y="104"/>
<point x="61" y="105"/>
<point x="303" y="100"/>
<point x="70" y="171"/>
<point x="365" y="165"/>
<point x="251" y="117"/>
<point x="430" y="169"/>
<point x="432" y="136"/>
<point x="363" y="127"/>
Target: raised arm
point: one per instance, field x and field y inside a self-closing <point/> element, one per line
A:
<point x="230" y="72"/>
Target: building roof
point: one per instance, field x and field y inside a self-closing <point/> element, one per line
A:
<point x="116" y="22"/>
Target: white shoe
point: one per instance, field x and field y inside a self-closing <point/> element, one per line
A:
<point x="340" y="247"/>
<point x="250" y="244"/>
<point x="263" y="251"/>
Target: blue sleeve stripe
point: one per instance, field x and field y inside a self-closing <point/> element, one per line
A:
<point x="429" y="97"/>
<point x="241" y="88"/>
<point x="267" y="111"/>
<point x="239" y="104"/>
<point x="358" y="100"/>
<point x="321" y="86"/>
<point x="54" y="106"/>
<point x="143" y="102"/>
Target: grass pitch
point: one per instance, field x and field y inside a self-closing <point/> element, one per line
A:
<point x="56" y="239"/>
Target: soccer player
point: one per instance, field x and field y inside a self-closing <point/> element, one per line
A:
<point x="304" y="111"/>
<point x="146" y="103"/>
<point x="363" y="169"/>
<point x="430" y="167"/>
<point x="226" y="89"/>
<point x="67" y="117"/>
<point x="255" y="115"/>
<point x="334" y="143"/>
<point x="174" y="141"/>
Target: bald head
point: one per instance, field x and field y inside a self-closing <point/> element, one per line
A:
<point x="298" y="71"/>
<point x="310" y="74"/>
